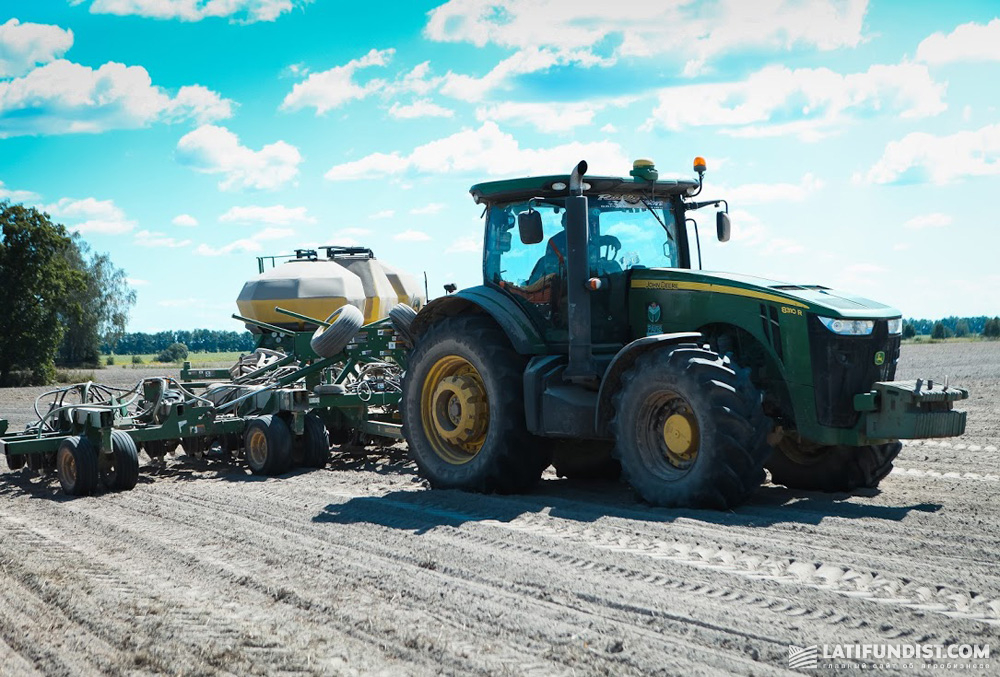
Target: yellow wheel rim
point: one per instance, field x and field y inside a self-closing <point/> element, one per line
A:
<point x="680" y="434"/>
<point x="257" y="447"/>
<point x="454" y="409"/>
<point x="67" y="467"/>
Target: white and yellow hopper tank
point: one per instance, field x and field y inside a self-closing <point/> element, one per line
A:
<point x="315" y="286"/>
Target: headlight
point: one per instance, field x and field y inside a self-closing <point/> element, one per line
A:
<point x="896" y="326"/>
<point x="848" y="327"/>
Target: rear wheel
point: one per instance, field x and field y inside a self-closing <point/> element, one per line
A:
<point x="463" y="409"/>
<point x="268" y="445"/>
<point x="686" y="434"/>
<point x="119" y="470"/>
<point x="314" y="443"/>
<point x="76" y="466"/>
<point x="799" y="464"/>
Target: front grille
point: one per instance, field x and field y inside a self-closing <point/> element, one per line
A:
<point x="844" y="366"/>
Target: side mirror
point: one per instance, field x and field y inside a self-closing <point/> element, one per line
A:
<point x="529" y="225"/>
<point x="722" y="226"/>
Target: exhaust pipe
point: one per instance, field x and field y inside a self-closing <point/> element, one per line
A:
<point x="581" y="369"/>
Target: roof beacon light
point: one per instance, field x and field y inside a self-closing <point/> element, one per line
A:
<point x="643" y="169"/>
<point x="699" y="165"/>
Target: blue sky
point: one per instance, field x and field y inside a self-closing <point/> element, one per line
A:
<point x="858" y="143"/>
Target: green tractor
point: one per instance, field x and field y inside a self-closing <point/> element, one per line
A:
<point x="594" y="345"/>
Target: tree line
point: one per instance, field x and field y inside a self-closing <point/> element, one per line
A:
<point x="61" y="299"/>
<point x="196" y="340"/>
<point x="949" y="327"/>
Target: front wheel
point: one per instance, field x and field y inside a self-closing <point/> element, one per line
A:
<point x="463" y="409"/>
<point x="268" y="445"/>
<point x="76" y="466"/>
<point x="688" y="435"/>
<point x="799" y="464"/>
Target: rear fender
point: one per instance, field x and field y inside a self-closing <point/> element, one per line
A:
<point x="622" y="362"/>
<point x="523" y="334"/>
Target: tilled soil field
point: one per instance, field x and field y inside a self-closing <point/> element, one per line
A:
<point x="359" y="569"/>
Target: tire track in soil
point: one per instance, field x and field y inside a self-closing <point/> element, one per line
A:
<point x="520" y="595"/>
<point x="847" y="581"/>
<point x="792" y="609"/>
<point x="141" y="622"/>
<point x="799" y="531"/>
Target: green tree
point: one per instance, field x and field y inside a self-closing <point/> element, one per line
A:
<point x="37" y="280"/>
<point x="992" y="328"/>
<point x="99" y="314"/>
<point x="909" y="331"/>
<point x="173" y="353"/>
<point x="939" y="331"/>
<point x="962" y="328"/>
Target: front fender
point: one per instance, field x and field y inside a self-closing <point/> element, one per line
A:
<point x="522" y="332"/>
<point x="625" y="358"/>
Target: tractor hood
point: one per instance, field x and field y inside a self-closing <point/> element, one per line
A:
<point x="816" y="298"/>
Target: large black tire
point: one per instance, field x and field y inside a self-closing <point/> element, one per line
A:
<point x="586" y="460"/>
<point x="76" y="466"/>
<point x="344" y="324"/>
<point x="402" y="317"/>
<point x="314" y="443"/>
<point x="120" y="470"/>
<point x="687" y="434"/>
<point x="15" y="461"/>
<point x="834" y="468"/>
<point x="267" y="442"/>
<point x="463" y="410"/>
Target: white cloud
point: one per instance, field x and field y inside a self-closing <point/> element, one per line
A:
<point x="651" y="28"/>
<point x="17" y="195"/>
<point x="185" y="220"/>
<point x="921" y="157"/>
<point x="432" y="208"/>
<point x="423" y="108"/>
<point x="545" y="117"/>
<point x="25" y="45"/>
<point x="277" y="215"/>
<point x="932" y="220"/>
<point x="216" y="150"/>
<point x="968" y="42"/>
<point x="145" y="238"/>
<point x="384" y="214"/>
<point x="609" y="129"/>
<point x="822" y="99"/>
<point x="411" y="236"/>
<point x="247" y="244"/>
<point x="90" y="215"/>
<point x="756" y="193"/>
<point x="471" y="88"/>
<point x="63" y="97"/>
<point x="274" y="234"/>
<point x="136" y="282"/>
<point x="334" y="87"/>
<point x="238" y="11"/>
<point x="486" y="150"/>
<point x="581" y="32"/>
<point x="465" y="245"/>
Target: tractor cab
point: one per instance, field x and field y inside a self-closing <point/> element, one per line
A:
<point x="631" y="224"/>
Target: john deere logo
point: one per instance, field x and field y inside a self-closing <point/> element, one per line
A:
<point x="653" y="311"/>
<point x="879" y="358"/>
